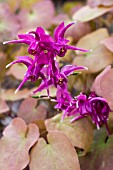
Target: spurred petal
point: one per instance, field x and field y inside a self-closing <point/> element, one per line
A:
<point x="17" y="41"/>
<point x="69" y="69"/>
<point x="43" y="85"/>
<point x="40" y="30"/>
<point x="61" y="35"/>
<point x="21" y="84"/>
<point x="22" y="59"/>
<point x="69" y="47"/>
<point x="26" y="37"/>
<point x="58" y="30"/>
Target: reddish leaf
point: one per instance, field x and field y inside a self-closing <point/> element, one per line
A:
<point x="58" y="154"/>
<point x="100" y="57"/>
<point x="74" y="131"/>
<point x="108" y="42"/>
<point x="101" y="154"/>
<point x="60" y="18"/>
<point x="11" y="96"/>
<point x="27" y="4"/>
<point x="96" y="84"/>
<point x="31" y="113"/>
<point x="40" y="14"/>
<point x="9" y="25"/>
<point x="78" y="30"/>
<point x="25" y="93"/>
<point x="92" y="40"/>
<point x="17" y="139"/>
<point x="87" y="13"/>
<point x="106" y="86"/>
<point x="94" y="3"/>
<point x="103" y="85"/>
<point x="3" y="106"/>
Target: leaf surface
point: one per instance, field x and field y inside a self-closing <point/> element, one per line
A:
<point x="56" y="155"/>
<point x="29" y="111"/>
<point x="17" y="139"/>
<point x="80" y="132"/>
<point x="101" y="155"/>
<point x="100" y="57"/>
<point x="95" y="3"/>
<point x="86" y="13"/>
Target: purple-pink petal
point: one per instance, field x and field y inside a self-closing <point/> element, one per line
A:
<point x="69" y="69"/>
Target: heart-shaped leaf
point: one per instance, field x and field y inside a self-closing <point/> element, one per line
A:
<point x="9" y="25"/>
<point x="103" y="85"/>
<point x="33" y="112"/>
<point x="100" y="57"/>
<point x="96" y="83"/>
<point x="10" y="95"/>
<point x="74" y="131"/>
<point x="17" y="139"/>
<point x="40" y="14"/>
<point x="108" y="42"/>
<point x="56" y="155"/>
<point x="106" y="86"/>
<point x="86" y="13"/>
<point x="94" y="3"/>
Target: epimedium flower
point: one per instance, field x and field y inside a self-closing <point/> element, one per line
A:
<point x="61" y="42"/>
<point x="34" y="66"/>
<point x="59" y="77"/>
<point x="35" y="40"/>
<point x="95" y="107"/>
<point x="39" y="40"/>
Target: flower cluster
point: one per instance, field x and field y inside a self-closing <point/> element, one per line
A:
<point x="44" y="49"/>
<point x="95" y="107"/>
<point x="43" y="64"/>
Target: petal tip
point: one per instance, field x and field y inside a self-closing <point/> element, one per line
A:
<point x="5" y="42"/>
<point x="8" y="65"/>
<point x="85" y="68"/>
<point x="16" y="90"/>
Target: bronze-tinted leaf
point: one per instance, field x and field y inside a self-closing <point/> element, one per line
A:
<point x="74" y="131"/>
<point x="78" y="30"/>
<point x="108" y="42"/>
<point x="96" y="84"/>
<point x="100" y="57"/>
<point x="87" y="13"/>
<point x="103" y="85"/>
<point x="106" y="86"/>
<point x="11" y="96"/>
<point x="95" y="3"/>
<point x="25" y="93"/>
<point x="9" y="25"/>
<point x="29" y="111"/>
<point x="17" y="139"/>
<point x="40" y="14"/>
<point x="57" y="154"/>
